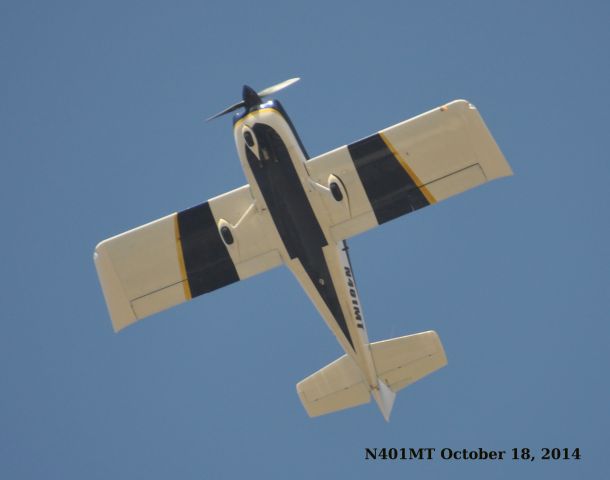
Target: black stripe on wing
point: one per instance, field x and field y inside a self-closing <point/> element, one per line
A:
<point x="207" y="262"/>
<point x="389" y="187"/>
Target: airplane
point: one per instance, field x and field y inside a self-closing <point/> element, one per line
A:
<point x="298" y="212"/>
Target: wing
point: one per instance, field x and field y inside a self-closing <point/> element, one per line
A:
<point x="408" y="166"/>
<point x="182" y="255"/>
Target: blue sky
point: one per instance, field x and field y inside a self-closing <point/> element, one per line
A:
<point x="102" y="130"/>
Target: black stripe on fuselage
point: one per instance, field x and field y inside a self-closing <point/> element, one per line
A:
<point x="390" y="189"/>
<point x="278" y="107"/>
<point x="207" y="262"/>
<point x="293" y="215"/>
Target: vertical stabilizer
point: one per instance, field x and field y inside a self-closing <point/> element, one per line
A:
<point x="384" y="398"/>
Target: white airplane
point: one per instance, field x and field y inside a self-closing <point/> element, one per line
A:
<point x="298" y="212"/>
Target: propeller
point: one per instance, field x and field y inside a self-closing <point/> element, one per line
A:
<point x="252" y="98"/>
<point x="276" y="88"/>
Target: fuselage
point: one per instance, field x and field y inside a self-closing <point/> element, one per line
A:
<point x="274" y="162"/>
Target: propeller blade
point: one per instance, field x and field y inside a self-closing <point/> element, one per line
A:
<point x="276" y="88"/>
<point x="226" y="110"/>
<point x="263" y="93"/>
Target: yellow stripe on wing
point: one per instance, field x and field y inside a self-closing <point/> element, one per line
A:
<point x="409" y="170"/>
<point x="185" y="282"/>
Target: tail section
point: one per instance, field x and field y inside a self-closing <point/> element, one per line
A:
<point x="399" y="362"/>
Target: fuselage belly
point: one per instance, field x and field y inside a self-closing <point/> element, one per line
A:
<point x="274" y="163"/>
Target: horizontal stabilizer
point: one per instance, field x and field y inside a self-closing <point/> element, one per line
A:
<point x="398" y="362"/>
<point x="337" y="386"/>
<point x="401" y="361"/>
